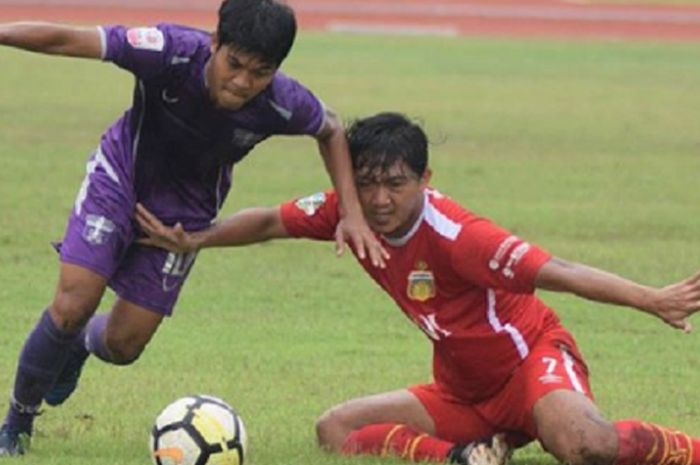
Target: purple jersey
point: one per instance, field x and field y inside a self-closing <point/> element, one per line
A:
<point x="174" y="152"/>
<point x="174" y="147"/>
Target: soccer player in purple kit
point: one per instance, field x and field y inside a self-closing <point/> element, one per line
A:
<point x="201" y="102"/>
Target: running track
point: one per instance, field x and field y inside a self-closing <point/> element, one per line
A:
<point x="493" y="18"/>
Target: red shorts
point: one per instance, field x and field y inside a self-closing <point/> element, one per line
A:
<point x="553" y="363"/>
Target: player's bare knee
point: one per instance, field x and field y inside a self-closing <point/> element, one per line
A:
<point x="331" y="430"/>
<point x="590" y="453"/>
<point x="123" y="351"/>
<point x="590" y="445"/>
<point x="72" y="308"/>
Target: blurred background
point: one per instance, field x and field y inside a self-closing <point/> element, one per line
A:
<point x="609" y="19"/>
<point x="572" y="124"/>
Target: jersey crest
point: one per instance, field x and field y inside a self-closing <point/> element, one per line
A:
<point x="310" y="204"/>
<point x="421" y="283"/>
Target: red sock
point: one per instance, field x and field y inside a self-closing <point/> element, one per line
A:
<point x="398" y="440"/>
<point x="641" y="443"/>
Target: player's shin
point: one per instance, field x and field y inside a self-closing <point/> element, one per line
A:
<point x="42" y="358"/>
<point x="642" y="443"/>
<point x="396" y="440"/>
<point x="405" y="442"/>
<point x="67" y="380"/>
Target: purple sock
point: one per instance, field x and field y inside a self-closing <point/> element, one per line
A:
<point x="95" y="338"/>
<point x="43" y="356"/>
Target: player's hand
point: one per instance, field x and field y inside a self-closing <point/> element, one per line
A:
<point x="362" y="238"/>
<point x="175" y="239"/>
<point x="675" y="303"/>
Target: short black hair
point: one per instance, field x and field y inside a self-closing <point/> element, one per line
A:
<point x="265" y="28"/>
<point x="378" y="142"/>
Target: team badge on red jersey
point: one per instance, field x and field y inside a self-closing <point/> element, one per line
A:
<point x="421" y="283"/>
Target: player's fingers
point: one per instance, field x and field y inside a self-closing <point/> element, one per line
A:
<point x="145" y="227"/>
<point x="339" y="243"/>
<point x="382" y="251"/>
<point x="375" y="253"/>
<point x="683" y="324"/>
<point x="693" y="288"/>
<point x="145" y="221"/>
<point x="385" y="253"/>
<point x="141" y="221"/>
<point x="695" y="279"/>
<point x="181" y="238"/>
<point x="680" y="323"/>
<point x="143" y="212"/>
<point x="693" y="298"/>
<point x="359" y="243"/>
<point x="144" y="224"/>
<point x="147" y="241"/>
<point x="148" y="217"/>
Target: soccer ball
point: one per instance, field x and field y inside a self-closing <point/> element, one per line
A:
<point x="198" y="430"/>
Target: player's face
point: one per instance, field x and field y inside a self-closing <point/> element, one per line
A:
<point x="234" y="77"/>
<point x="391" y="200"/>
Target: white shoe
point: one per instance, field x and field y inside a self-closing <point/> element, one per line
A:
<point x="498" y="452"/>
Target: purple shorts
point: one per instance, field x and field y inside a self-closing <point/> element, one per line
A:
<point x="100" y="237"/>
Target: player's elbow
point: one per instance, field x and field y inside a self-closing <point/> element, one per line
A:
<point x="556" y="275"/>
<point x="271" y="225"/>
<point x="332" y="127"/>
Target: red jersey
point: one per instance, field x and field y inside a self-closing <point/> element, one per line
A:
<point x="465" y="282"/>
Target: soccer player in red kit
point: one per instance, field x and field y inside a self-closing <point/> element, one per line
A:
<point x="503" y="365"/>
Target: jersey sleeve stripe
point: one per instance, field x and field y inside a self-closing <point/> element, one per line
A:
<point x="103" y="43"/>
<point x="441" y="223"/>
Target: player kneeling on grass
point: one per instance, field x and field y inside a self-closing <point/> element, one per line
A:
<point x="502" y="360"/>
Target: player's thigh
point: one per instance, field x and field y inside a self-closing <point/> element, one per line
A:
<point x="100" y="228"/>
<point x="399" y="406"/>
<point x="451" y="419"/>
<point x="571" y="427"/>
<point x="129" y="329"/>
<point x="98" y="233"/>
<point x="553" y="364"/>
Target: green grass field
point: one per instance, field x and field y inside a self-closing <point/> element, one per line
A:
<point x="589" y="149"/>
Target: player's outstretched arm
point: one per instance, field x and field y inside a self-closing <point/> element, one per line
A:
<point x="352" y="227"/>
<point x="248" y="226"/>
<point x="53" y="39"/>
<point x="673" y="304"/>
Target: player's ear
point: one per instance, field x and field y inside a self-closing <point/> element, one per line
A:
<point x="214" y="42"/>
<point x="425" y="179"/>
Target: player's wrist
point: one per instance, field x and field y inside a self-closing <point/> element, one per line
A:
<point x="197" y="241"/>
<point x="350" y="212"/>
<point x="650" y="300"/>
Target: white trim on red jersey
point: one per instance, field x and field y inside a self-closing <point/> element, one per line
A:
<point x="569" y="366"/>
<point x="515" y="334"/>
<point x="437" y="220"/>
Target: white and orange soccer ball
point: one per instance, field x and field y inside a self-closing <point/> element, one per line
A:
<point x="198" y="430"/>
